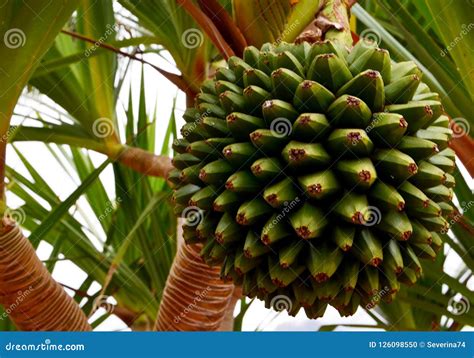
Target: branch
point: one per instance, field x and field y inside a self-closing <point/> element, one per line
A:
<point x="225" y="24"/>
<point x="208" y="26"/>
<point x="75" y="290"/>
<point x="177" y="80"/>
<point x="137" y="159"/>
<point x="145" y="162"/>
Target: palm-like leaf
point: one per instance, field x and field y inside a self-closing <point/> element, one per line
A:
<point x="85" y="89"/>
<point x="135" y="226"/>
<point x="26" y="38"/>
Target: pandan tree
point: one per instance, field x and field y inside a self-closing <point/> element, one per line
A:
<point x="324" y="161"/>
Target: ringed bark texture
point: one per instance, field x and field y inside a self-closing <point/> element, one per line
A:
<point x="195" y="298"/>
<point x="28" y="292"/>
<point x="145" y="162"/>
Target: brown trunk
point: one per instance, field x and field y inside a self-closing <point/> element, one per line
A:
<point x="28" y="292"/>
<point x="145" y="162"/>
<point x="194" y="298"/>
<point x="228" y="321"/>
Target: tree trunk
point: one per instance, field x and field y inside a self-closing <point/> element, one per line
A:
<point x="227" y="323"/>
<point x="29" y="294"/>
<point x="195" y="298"/>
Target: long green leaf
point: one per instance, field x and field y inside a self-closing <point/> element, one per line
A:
<point x="26" y="37"/>
<point x="58" y="212"/>
<point x="454" y="22"/>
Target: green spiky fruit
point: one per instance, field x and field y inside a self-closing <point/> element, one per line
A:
<point x="320" y="175"/>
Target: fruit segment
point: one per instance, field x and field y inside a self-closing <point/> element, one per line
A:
<point x="368" y="248"/>
<point x="308" y="221"/>
<point x="305" y="155"/>
<point x="395" y="165"/>
<point x="330" y="71"/>
<point x="349" y="143"/>
<point x="357" y="173"/>
<point x="281" y="193"/>
<point x="310" y="96"/>
<point x="310" y="127"/>
<point x="349" y="111"/>
<point x="387" y="129"/>
<point x="320" y="184"/>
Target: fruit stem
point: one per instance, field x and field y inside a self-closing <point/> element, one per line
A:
<point x="145" y="162"/>
<point x="333" y="20"/>
<point x="331" y="23"/>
